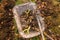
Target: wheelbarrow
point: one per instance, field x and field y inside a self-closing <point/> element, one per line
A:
<point x="17" y="11"/>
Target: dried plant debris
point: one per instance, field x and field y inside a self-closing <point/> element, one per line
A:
<point x="6" y="20"/>
<point x="50" y="10"/>
<point x="28" y="21"/>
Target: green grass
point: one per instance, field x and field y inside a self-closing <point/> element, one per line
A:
<point x="21" y="1"/>
<point x="18" y="2"/>
<point x="35" y="38"/>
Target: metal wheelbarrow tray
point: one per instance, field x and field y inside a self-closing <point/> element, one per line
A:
<point x="17" y="11"/>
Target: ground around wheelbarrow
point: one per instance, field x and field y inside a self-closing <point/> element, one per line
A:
<point x="50" y="11"/>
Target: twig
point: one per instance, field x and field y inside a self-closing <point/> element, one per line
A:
<point x="27" y="30"/>
<point x="39" y="23"/>
<point x="48" y="36"/>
